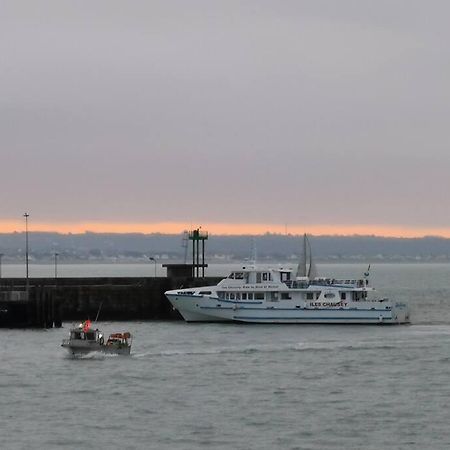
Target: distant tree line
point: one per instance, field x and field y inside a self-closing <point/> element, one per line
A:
<point x="131" y="246"/>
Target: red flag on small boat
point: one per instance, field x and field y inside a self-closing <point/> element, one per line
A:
<point x="86" y="325"/>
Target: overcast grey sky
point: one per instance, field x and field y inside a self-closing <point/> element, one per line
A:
<point x="298" y="112"/>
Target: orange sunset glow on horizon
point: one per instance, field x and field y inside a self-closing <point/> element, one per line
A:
<point x="225" y="228"/>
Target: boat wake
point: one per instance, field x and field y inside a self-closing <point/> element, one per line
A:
<point x="92" y="356"/>
<point x="249" y="350"/>
<point x="413" y="338"/>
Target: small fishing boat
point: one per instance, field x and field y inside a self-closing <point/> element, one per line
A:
<point x="83" y="340"/>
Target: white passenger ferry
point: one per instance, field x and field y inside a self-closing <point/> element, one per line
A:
<point x="279" y="295"/>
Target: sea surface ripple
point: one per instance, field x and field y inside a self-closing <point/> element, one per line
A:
<point x="229" y="386"/>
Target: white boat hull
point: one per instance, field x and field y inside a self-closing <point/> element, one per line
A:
<point x="86" y="347"/>
<point x="196" y="308"/>
<point x="257" y="294"/>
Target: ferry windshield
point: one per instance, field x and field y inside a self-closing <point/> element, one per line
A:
<point x="236" y="275"/>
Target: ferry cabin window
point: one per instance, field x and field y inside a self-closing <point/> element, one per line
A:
<point x="238" y="296"/>
<point x="231" y="295"/>
<point x="274" y="296"/>
<point x="205" y="292"/>
<point x="258" y="277"/>
<point x="343" y="295"/>
<point x="285" y="276"/>
<point x="267" y="276"/>
<point x="236" y="275"/>
<point x="285" y="296"/>
<point x="310" y="296"/>
<point x="244" y="296"/>
<point x="259" y="295"/>
<point x="250" y="295"/>
<point x="221" y="295"/>
<point x="329" y="295"/>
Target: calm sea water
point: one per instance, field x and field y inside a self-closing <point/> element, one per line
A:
<point x="218" y="386"/>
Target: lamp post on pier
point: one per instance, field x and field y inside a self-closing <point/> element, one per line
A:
<point x="27" y="285"/>
<point x="154" y="262"/>
<point x="56" y="266"/>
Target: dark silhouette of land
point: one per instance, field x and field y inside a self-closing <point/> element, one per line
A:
<point x="98" y="247"/>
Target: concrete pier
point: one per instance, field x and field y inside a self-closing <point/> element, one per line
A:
<point x="48" y="305"/>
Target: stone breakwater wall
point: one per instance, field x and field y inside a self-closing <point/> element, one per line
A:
<point x="69" y="299"/>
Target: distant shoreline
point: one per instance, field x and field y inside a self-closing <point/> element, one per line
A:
<point x="134" y="248"/>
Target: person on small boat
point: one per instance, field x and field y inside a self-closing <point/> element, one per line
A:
<point x="120" y="339"/>
<point x="86" y="325"/>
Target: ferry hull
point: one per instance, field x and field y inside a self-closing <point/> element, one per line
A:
<point x="206" y="309"/>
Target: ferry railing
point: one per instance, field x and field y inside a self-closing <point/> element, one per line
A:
<point x="294" y="284"/>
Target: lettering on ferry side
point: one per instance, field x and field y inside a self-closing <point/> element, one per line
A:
<point x="258" y="286"/>
<point x="327" y="304"/>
